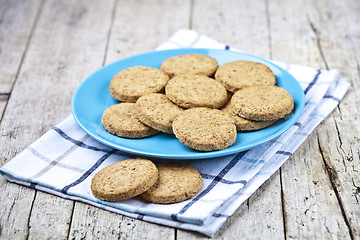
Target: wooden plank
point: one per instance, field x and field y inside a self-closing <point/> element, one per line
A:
<point x="339" y="135"/>
<point x="259" y="210"/>
<point x="152" y="24"/>
<point x="243" y="25"/>
<point x="311" y="207"/>
<point x="51" y="213"/>
<point x="15" y="207"/>
<point x="95" y="224"/>
<point x="312" y="211"/>
<point x="67" y="44"/>
<point x="17" y="19"/>
<point x="292" y="39"/>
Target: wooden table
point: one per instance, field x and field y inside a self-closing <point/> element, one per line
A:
<point x="48" y="47"/>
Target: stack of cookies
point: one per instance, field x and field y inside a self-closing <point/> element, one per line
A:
<point x="165" y="183"/>
<point x="204" y="105"/>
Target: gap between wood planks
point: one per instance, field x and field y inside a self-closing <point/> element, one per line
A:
<point x="71" y="220"/>
<point x="318" y="41"/>
<point x="332" y="178"/>
<point x="29" y="217"/>
<point x="113" y="14"/>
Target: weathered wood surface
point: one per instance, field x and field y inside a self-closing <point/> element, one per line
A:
<point x="48" y="47"/>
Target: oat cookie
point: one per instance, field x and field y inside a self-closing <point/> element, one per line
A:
<point x="243" y="124"/>
<point x="157" y="111"/>
<point x="262" y="103"/>
<point x="190" y="64"/>
<point x="239" y="74"/>
<point x="205" y="129"/>
<point x="177" y="182"/>
<point x="121" y="120"/>
<point x="134" y="82"/>
<point x="196" y="91"/>
<point x="124" y="179"/>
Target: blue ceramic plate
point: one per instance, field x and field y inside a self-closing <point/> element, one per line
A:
<point x="93" y="97"/>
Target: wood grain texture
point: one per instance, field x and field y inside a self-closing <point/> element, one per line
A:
<point x="91" y="223"/>
<point x="240" y="24"/>
<point x="311" y="207"/>
<point x="153" y="23"/>
<point x="339" y="134"/>
<point x="47" y="47"/>
<point x="55" y="217"/>
<point x="17" y="21"/>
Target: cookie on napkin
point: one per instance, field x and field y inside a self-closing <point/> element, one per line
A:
<point x="177" y="182"/>
<point x="124" y="179"/>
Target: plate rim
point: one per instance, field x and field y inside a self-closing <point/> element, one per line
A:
<point x="190" y="155"/>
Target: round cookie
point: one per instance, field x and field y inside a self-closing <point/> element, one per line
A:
<point x="157" y="111"/>
<point x="240" y="74"/>
<point x="243" y="124"/>
<point x="196" y="91"/>
<point x="120" y="119"/>
<point x="176" y="183"/>
<point x="134" y="82"/>
<point x="190" y="64"/>
<point x="124" y="179"/>
<point x="262" y="103"/>
<point x="205" y="129"/>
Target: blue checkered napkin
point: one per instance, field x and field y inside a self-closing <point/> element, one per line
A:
<point x="64" y="160"/>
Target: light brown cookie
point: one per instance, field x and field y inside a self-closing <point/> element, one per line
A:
<point x="176" y="183"/>
<point x="196" y="91"/>
<point x="190" y="64"/>
<point x="205" y="129"/>
<point x="239" y="74"/>
<point x="262" y="103"/>
<point x="124" y="179"/>
<point x="121" y="120"/>
<point x="134" y="82"/>
<point x="157" y="111"/>
<point x="243" y="124"/>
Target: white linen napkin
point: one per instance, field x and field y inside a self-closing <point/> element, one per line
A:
<point x="64" y="160"/>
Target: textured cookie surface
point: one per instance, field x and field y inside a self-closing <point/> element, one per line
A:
<point x="132" y="83"/>
<point x="196" y="91"/>
<point x="239" y="74"/>
<point x="262" y="103"/>
<point x="121" y="120"/>
<point x="176" y="183"/>
<point x="243" y="124"/>
<point x="157" y="111"/>
<point x="205" y="129"/>
<point x="124" y="179"/>
<point x="190" y="64"/>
